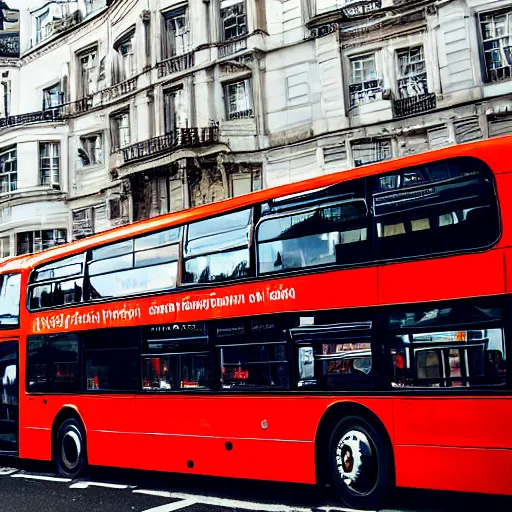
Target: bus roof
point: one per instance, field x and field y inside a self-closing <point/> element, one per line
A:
<point x="490" y="151"/>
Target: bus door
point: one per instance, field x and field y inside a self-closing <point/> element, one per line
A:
<point x="9" y="397"/>
<point x="334" y="357"/>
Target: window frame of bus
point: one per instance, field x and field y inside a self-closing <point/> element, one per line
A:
<point x="251" y="338"/>
<point x="253" y="214"/>
<point x="175" y="347"/>
<point x="4" y="278"/>
<point x="174" y="243"/>
<point x="86" y="295"/>
<point x="50" y="386"/>
<point x="483" y="169"/>
<point x="33" y="283"/>
<point x="318" y="204"/>
<point x="90" y="349"/>
<point x="386" y="338"/>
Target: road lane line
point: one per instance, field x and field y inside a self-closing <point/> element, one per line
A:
<point x="41" y="477"/>
<point x="169" y="507"/>
<point x="341" y="509"/>
<point x="8" y="471"/>
<point x="163" y="494"/>
<point x="247" y="505"/>
<point x="85" y="485"/>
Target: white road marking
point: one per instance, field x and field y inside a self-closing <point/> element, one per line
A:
<point x="163" y="494"/>
<point x="8" y="471"/>
<point x="247" y="505"/>
<point x="341" y="509"/>
<point x="41" y="477"/>
<point x="84" y="485"/>
<point x="172" y="506"/>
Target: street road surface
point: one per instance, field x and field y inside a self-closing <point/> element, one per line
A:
<point x="30" y="487"/>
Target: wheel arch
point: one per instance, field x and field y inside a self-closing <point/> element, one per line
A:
<point x="334" y="413"/>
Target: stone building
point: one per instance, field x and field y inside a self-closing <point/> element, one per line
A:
<point x="114" y="111"/>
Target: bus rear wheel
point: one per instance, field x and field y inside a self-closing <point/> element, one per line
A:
<point x="361" y="463"/>
<point x="70" y="449"/>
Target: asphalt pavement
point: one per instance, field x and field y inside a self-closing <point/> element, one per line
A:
<point x="27" y="487"/>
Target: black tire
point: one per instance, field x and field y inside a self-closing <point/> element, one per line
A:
<point x="70" y="450"/>
<point x="361" y="463"/>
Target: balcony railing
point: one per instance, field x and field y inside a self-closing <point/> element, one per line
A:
<point x="117" y="90"/>
<point x="175" y="64"/>
<point x="415" y="105"/>
<point x="43" y="116"/>
<point x="178" y="139"/>
<point x="100" y="98"/>
<point x="241" y="114"/>
<point x="10" y="44"/>
<point x="231" y="47"/>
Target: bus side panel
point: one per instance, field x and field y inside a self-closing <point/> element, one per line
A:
<point x="35" y="443"/>
<point x="270" y="437"/>
<point x="460" y="444"/>
<point x="109" y="422"/>
<point x="471" y="422"/>
<point x="36" y="419"/>
<point x="446" y="278"/>
<point x="454" y="469"/>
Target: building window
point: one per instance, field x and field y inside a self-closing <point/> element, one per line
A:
<point x="365" y="84"/>
<point x="88" y="63"/>
<point x="49" y="162"/>
<point x="114" y="208"/>
<point x="173" y="106"/>
<point x="82" y="223"/>
<point x="245" y="181"/>
<point x="124" y="58"/>
<point x="369" y="152"/>
<point x="233" y="19"/>
<point x="42" y="26"/>
<point x="497" y="44"/>
<point x="34" y="241"/>
<point x="91" y="150"/>
<point x="52" y="97"/>
<point x="8" y="171"/>
<point x="239" y="100"/>
<point x="176" y="36"/>
<point x="89" y="7"/>
<point x="5" y="247"/>
<point x="5" y="104"/>
<point x="412" y="72"/>
<point x="120" y="130"/>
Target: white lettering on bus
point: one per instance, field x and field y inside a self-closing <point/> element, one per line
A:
<point x="284" y="294"/>
<point x="162" y="309"/>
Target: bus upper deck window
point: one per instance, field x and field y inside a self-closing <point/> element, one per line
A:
<point x="9" y="300"/>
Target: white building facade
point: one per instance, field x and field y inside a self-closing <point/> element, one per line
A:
<point x="121" y="110"/>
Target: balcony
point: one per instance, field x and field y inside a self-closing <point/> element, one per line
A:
<point x="415" y="105"/>
<point x="233" y="46"/>
<point x="43" y="116"/>
<point x="179" y="139"/>
<point x="10" y="44"/>
<point x="100" y="98"/>
<point x="175" y="64"/>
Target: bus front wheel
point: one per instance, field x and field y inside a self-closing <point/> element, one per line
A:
<point x="361" y="463"/>
<point x="70" y="450"/>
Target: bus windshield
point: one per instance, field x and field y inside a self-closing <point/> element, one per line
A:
<point x="9" y="299"/>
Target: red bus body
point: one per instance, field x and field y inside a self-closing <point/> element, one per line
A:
<point x="456" y="442"/>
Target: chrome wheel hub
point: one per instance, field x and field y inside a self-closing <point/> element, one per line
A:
<point x="356" y="462"/>
<point x="71" y="449"/>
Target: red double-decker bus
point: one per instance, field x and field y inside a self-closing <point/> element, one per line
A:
<point x="353" y="328"/>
